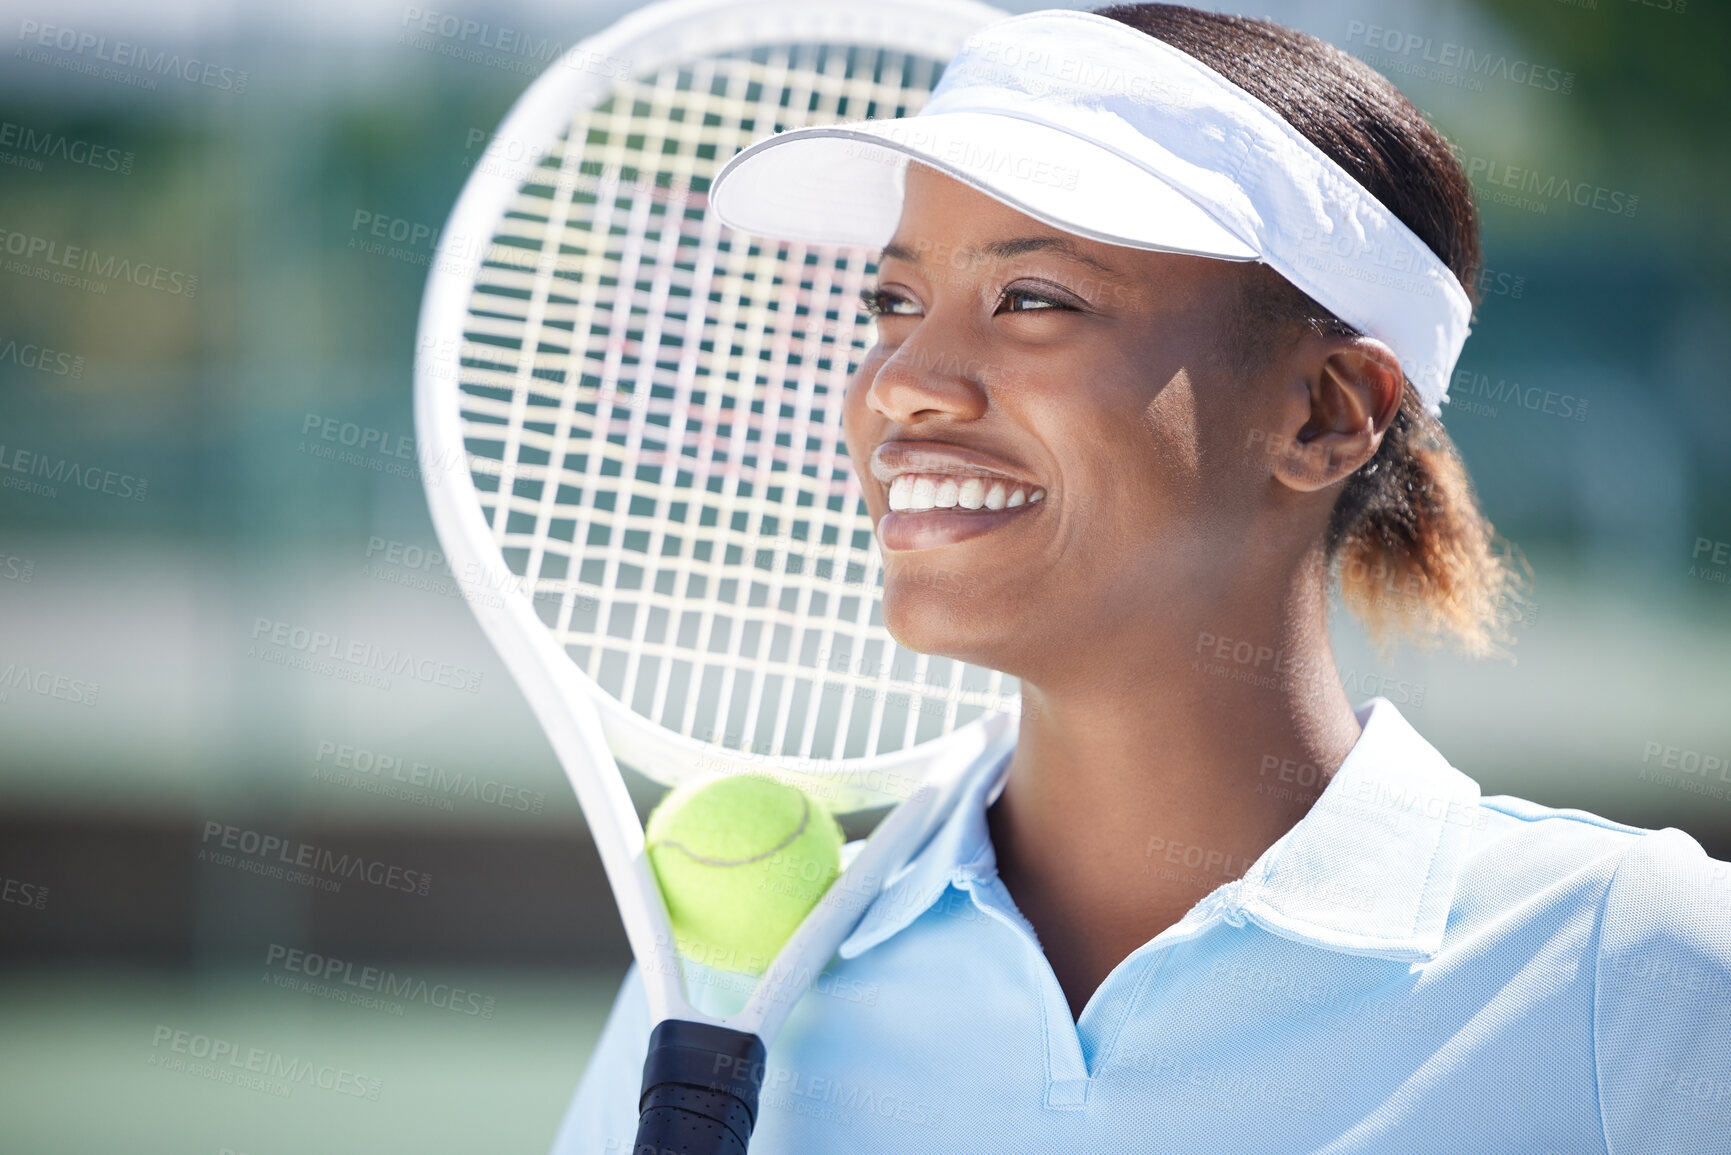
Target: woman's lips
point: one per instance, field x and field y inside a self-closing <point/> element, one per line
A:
<point x="907" y="531"/>
<point x="939" y="494"/>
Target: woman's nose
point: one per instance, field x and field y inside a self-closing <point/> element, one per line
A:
<point x="927" y="375"/>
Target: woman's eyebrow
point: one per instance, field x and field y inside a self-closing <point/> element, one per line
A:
<point x="1013" y="247"/>
<point x="1062" y="246"/>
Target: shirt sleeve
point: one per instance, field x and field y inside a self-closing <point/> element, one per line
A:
<point x="602" y="1117"/>
<point x="1662" y="1000"/>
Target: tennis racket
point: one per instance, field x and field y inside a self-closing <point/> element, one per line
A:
<point x="629" y="429"/>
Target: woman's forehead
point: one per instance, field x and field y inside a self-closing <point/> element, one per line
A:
<point x="938" y="198"/>
<point x="948" y="224"/>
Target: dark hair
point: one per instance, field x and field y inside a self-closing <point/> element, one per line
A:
<point x="1407" y="541"/>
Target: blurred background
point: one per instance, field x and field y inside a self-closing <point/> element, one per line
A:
<point x="172" y="490"/>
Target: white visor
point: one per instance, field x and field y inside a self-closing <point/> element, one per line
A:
<point x="1109" y="133"/>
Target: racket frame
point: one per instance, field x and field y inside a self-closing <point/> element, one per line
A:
<point x="590" y="730"/>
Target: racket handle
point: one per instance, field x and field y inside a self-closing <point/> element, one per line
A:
<point x="700" y="1085"/>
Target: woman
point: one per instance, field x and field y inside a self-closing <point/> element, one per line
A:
<point x="1191" y="286"/>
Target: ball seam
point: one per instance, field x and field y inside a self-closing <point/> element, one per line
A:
<point x="804" y="820"/>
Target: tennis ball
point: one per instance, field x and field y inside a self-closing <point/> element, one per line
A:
<point x="741" y="860"/>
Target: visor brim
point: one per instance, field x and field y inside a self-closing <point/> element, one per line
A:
<point x="842" y="184"/>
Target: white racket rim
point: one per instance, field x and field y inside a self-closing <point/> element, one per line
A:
<point x="589" y="729"/>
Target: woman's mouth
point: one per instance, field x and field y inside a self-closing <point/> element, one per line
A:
<point x="929" y="510"/>
<point x="919" y="492"/>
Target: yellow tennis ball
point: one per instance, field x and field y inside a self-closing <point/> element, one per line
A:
<point x="741" y="860"/>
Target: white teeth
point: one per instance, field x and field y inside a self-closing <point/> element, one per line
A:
<point x="925" y="490"/>
<point x="901" y="493"/>
<point x="916" y="493"/>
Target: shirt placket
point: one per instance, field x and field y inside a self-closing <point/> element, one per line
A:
<point x="1067" y="1069"/>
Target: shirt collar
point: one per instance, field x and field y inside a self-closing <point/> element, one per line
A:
<point x="1370" y="869"/>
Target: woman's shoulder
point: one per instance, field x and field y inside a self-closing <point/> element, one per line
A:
<point x="1660" y="959"/>
<point x="1638" y="922"/>
<point x="1510" y="825"/>
<point x="1657" y="898"/>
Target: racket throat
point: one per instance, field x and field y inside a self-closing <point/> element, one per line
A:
<point x="700" y="1089"/>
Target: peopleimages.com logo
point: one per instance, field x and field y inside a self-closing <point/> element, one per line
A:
<point x="302" y="647"/>
<point x="312" y="973"/>
<point x="40" y="358"/>
<point x="106" y="267"/>
<point x="1450" y="62"/>
<point x="500" y="46"/>
<point x="269" y="853"/>
<point x="47" y="683"/>
<point x="26" y="147"/>
<point x="1535" y="190"/>
<point x="31" y="465"/>
<point x="91" y="54"/>
<point x="255" y="1068"/>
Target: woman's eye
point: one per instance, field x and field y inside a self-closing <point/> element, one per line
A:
<point x="887" y="303"/>
<point x="1027" y="301"/>
<point x="881" y="303"/>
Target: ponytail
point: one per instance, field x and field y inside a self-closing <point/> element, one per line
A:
<point x="1410" y="549"/>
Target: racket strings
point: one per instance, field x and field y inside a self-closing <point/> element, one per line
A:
<point x="652" y="414"/>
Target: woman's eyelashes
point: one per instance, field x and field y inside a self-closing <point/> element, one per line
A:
<point x="1015" y="299"/>
<point x="883" y="302"/>
<point x="1035" y="299"/>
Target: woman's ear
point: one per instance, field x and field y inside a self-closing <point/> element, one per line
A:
<point x="1352" y="391"/>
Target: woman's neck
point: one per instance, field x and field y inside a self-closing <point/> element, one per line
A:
<point x="1162" y="774"/>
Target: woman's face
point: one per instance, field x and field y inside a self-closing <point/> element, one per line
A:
<point x="1092" y="377"/>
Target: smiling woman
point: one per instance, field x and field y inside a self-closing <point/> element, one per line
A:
<point x="1144" y="403"/>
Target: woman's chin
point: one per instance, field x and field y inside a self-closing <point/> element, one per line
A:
<point x="929" y="621"/>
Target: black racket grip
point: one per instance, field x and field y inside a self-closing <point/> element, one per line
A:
<point x="700" y="1085"/>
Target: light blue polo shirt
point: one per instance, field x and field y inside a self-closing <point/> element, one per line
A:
<point x="1411" y="968"/>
